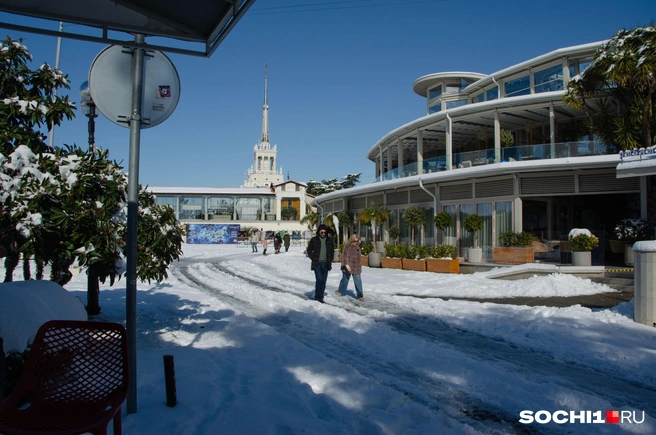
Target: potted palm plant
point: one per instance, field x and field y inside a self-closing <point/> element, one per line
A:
<point x="474" y="223"/>
<point x="374" y="215"/>
<point x="582" y="243"/>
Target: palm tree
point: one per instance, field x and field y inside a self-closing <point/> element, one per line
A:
<point x="373" y="215"/>
<point x="311" y="219"/>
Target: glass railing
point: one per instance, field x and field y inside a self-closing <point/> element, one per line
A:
<point x="509" y="154"/>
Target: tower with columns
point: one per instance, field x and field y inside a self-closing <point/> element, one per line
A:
<point x="263" y="172"/>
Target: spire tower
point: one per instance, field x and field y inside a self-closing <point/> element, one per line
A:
<point x="263" y="172"/>
<point x="265" y="108"/>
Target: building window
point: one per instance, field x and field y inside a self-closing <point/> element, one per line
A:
<point x="192" y="207"/>
<point x="503" y="217"/>
<point x="478" y="98"/>
<point x="220" y="208"/>
<point x="248" y="209"/>
<point x="455" y="103"/>
<point x="290" y="209"/>
<point x="519" y="86"/>
<point x="434" y="93"/>
<point x="492" y="94"/>
<point x="549" y="79"/>
<point x="434" y="109"/>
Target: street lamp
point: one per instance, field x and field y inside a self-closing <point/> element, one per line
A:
<point x="89" y="109"/>
<point x="93" y="286"/>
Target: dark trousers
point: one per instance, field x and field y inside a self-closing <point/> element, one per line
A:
<point x="321" y="275"/>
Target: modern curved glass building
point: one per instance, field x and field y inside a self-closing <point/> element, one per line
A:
<point x="506" y="147"/>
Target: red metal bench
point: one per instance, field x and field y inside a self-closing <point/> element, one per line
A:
<point x="75" y="380"/>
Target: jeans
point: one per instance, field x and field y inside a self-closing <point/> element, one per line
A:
<point x="357" y="280"/>
<point x="321" y="275"/>
<point x="254" y="246"/>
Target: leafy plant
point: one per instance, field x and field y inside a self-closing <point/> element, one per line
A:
<point x="511" y="238"/>
<point x="414" y="216"/>
<point x="365" y="248"/>
<point x="584" y="242"/>
<point x="373" y="213"/>
<point x="394" y="233"/>
<point x="632" y="230"/>
<point x="442" y="221"/>
<point x="507" y="139"/>
<point x="311" y="219"/>
<point x="442" y="251"/>
<point x="474" y="223"/>
<point x="392" y="251"/>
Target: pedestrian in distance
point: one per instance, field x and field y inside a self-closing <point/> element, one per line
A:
<point x="286" y="240"/>
<point x="352" y="266"/>
<point x="277" y="243"/>
<point x="265" y="244"/>
<point x="321" y="250"/>
<point x="255" y="239"/>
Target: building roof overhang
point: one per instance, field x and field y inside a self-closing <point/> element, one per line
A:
<point x="423" y="84"/>
<point x="475" y="172"/>
<point x="203" y="22"/>
<point x="240" y="191"/>
<point x="637" y="166"/>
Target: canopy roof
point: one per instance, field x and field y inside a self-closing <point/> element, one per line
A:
<point x="206" y="22"/>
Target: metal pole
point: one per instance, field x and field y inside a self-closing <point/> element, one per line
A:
<point x="133" y="209"/>
<point x="51" y="137"/>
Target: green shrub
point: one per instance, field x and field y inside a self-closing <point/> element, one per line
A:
<point x="442" y="251"/>
<point x="392" y="251"/>
<point x="394" y="233"/>
<point x="443" y="220"/>
<point x="366" y="248"/>
<point x="584" y="243"/>
<point x="511" y="238"/>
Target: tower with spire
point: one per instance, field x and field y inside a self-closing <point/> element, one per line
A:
<point x="263" y="172"/>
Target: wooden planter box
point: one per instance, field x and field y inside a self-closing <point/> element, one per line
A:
<point x="365" y="260"/>
<point x="419" y="265"/>
<point x="443" y="265"/>
<point x="392" y="263"/>
<point x="617" y="246"/>
<point x="513" y="255"/>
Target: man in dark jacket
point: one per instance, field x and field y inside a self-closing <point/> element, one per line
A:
<point x="321" y="251"/>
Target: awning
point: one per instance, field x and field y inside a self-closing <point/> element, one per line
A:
<point x="204" y="22"/>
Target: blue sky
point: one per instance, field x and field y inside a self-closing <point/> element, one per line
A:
<point x="340" y="77"/>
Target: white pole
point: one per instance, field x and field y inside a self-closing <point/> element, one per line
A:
<point x="51" y="137"/>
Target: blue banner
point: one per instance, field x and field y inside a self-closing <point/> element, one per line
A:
<point x="213" y="233"/>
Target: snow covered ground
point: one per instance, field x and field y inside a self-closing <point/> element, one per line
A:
<point x="254" y="355"/>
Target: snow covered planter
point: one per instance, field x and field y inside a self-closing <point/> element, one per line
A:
<point x="583" y="242"/>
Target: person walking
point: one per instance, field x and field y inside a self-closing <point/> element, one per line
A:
<point x="265" y="244"/>
<point x="277" y="242"/>
<point x="351" y="266"/>
<point x="321" y="250"/>
<point x="255" y="238"/>
<point x="286" y="239"/>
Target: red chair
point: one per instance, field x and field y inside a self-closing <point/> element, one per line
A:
<point x="75" y="380"/>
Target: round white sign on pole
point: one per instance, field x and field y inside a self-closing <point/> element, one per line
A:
<point x="110" y="85"/>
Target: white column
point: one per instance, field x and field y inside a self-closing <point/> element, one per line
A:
<point x="448" y="144"/>
<point x="420" y="152"/>
<point x="497" y="137"/>
<point x="400" y="146"/>
<point x="552" y="130"/>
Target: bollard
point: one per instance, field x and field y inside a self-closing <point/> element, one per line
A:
<point x="644" y="300"/>
<point x="169" y="378"/>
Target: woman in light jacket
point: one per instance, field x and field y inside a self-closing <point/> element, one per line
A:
<point x="352" y="266"/>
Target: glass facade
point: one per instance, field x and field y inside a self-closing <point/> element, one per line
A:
<point x="220" y="208"/>
<point x="434" y="93"/>
<point x="435" y="108"/>
<point x="549" y="79"/>
<point x="191" y="208"/>
<point x="518" y="86"/>
<point x="479" y="98"/>
<point x="492" y="94"/>
<point x="455" y="103"/>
